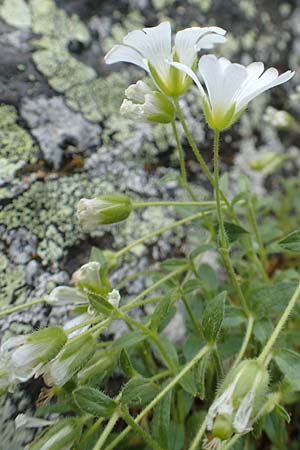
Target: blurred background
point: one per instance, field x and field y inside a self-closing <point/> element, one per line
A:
<point x="62" y="138"/>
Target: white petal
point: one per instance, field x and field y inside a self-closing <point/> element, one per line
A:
<point x="124" y="53"/>
<point x="222" y="79"/>
<point x="190" y="40"/>
<point x="190" y="73"/>
<point x="153" y="44"/>
<point x="209" y="41"/>
<point x="267" y="81"/>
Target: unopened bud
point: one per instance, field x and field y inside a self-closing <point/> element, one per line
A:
<point x="63" y="436"/>
<point x="144" y="105"/>
<point x="103" y="210"/>
<point x="69" y="361"/>
<point x="88" y="276"/>
<point x="239" y="400"/>
<point x="25" y="356"/>
<point x="64" y="295"/>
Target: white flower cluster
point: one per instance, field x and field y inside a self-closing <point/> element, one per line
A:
<point x="226" y="87"/>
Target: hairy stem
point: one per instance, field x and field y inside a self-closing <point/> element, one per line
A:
<point x="184" y="181"/>
<point x="161" y="231"/>
<point x="224" y="248"/>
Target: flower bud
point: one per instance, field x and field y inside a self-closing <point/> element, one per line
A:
<point x="69" y="361"/>
<point x="239" y="400"/>
<point x="101" y="364"/>
<point x="269" y="162"/>
<point x="279" y="119"/>
<point x="144" y="105"/>
<point x="26" y="355"/>
<point x="88" y="276"/>
<point x="64" y="295"/>
<point x="114" y="298"/>
<point x="63" y="436"/>
<point x="103" y="210"/>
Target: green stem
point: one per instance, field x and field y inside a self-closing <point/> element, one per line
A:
<point x="91" y="430"/>
<point x="171" y="203"/>
<point x="224" y="250"/>
<point x="245" y="341"/>
<point x="20" y="307"/>
<point x="184" y="181"/>
<point x="161" y="231"/>
<point x="157" y="399"/>
<point x="152" y="335"/>
<point x="139" y="430"/>
<point x="252" y="219"/>
<point x="269" y="345"/>
<point x="199" y="436"/>
<point x="109" y="427"/>
<point x="231" y="443"/>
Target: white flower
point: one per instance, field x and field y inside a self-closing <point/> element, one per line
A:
<point x="63" y="295"/>
<point x="144" y="105"/>
<point x="151" y="49"/>
<point x="63" y="436"/>
<point x="230" y="87"/>
<point x="88" y="275"/>
<point x="114" y="298"/>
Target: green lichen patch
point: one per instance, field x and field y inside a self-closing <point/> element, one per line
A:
<point x="16" y="144"/>
<point x="100" y="97"/>
<point x="12" y="283"/>
<point x="16" y="13"/>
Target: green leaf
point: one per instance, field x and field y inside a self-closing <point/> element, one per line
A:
<point x="283" y="413"/>
<point x="100" y="304"/>
<point x="169" y="349"/>
<point x="208" y="277"/>
<point x="161" y="421"/>
<point x="291" y="242"/>
<point x="176" y="436"/>
<point x="97" y="255"/>
<point x="213" y="317"/>
<point x="138" y="392"/>
<point x="199" y="375"/>
<point x="188" y="383"/>
<point x="288" y="362"/>
<point x="126" y="364"/>
<point x="234" y="231"/>
<point x="201" y="249"/>
<point x="271" y="301"/>
<point x="173" y="263"/>
<point x="128" y="340"/>
<point x="160" y="313"/>
<point x="94" y="402"/>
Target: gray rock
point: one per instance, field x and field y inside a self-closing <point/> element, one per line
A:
<point x="55" y="126"/>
